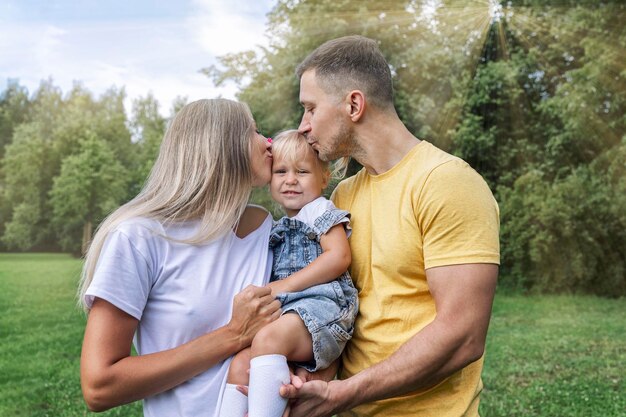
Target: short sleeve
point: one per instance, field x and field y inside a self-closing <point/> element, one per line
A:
<point x="330" y="218"/>
<point x="459" y="217"/>
<point x="122" y="276"/>
<point x="322" y="215"/>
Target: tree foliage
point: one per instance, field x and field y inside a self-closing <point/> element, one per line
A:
<point x="23" y="184"/>
<point x="68" y="161"/>
<point x="91" y="184"/>
<point x="531" y="93"/>
<point x="146" y="123"/>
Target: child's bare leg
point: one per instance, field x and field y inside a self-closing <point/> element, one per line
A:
<point x="234" y="403"/>
<point x="284" y="338"/>
<point x="238" y="370"/>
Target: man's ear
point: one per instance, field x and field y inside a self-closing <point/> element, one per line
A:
<point x="355" y="105"/>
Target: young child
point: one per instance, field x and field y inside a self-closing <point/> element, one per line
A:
<point x="309" y="277"/>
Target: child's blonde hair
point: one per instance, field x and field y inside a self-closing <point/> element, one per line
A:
<point x="292" y="146"/>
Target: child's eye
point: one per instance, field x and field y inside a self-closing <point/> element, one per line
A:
<point x="303" y="171"/>
<point x="279" y="171"/>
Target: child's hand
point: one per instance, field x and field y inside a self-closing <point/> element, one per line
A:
<point x="278" y="287"/>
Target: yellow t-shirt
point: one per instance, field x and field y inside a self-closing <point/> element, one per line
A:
<point x="431" y="209"/>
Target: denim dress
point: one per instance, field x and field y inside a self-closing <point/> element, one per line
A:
<point x="327" y="310"/>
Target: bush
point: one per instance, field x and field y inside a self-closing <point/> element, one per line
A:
<point x="569" y="235"/>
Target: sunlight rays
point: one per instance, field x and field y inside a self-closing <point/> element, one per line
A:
<point x="537" y="30"/>
<point x="457" y="32"/>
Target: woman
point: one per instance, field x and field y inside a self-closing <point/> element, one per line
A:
<point x="179" y="269"/>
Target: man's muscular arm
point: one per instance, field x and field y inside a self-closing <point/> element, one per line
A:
<point x="463" y="296"/>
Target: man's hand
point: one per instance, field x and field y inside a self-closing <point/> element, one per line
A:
<point x="327" y="374"/>
<point x="307" y="391"/>
<point x="245" y="390"/>
<point x="312" y="399"/>
<point x="299" y="378"/>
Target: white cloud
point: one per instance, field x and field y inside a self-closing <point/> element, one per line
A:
<point x="27" y="50"/>
<point x="221" y="27"/>
<point x="161" y="56"/>
<point x="164" y="86"/>
<point x="49" y="43"/>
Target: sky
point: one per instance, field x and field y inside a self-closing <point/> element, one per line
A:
<point x="146" y="46"/>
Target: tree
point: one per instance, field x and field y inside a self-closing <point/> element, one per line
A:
<point x="24" y="172"/>
<point x="91" y="184"/>
<point x="14" y="109"/>
<point x="147" y="127"/>
<point x="418" y="50"/>
<point x="531" y="93"/>
<point x="56" y="129"/>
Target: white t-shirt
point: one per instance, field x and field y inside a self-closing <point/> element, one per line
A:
<point x="179" y="292"/>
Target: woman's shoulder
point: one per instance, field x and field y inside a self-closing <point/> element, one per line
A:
<point x="140" y="227"/>
<point x="252" y="219"/>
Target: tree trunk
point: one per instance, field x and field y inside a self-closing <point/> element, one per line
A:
<point x="87" y="230"/>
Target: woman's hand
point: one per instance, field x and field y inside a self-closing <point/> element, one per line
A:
<point x="253" y="308"/>
<point x="110" y="376"/>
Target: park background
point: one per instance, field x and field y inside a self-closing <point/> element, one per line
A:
<point x="531" y="93"/>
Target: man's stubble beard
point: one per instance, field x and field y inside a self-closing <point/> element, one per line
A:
<point x="343" y="143"/>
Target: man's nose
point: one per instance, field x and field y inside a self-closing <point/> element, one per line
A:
<point x="304" y="127"/>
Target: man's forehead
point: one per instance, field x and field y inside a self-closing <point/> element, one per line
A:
<point x="308" y="76"/>
<point x="310" y="89"/>
<point x="307" y="82"/>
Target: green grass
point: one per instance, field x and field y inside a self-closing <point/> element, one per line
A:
<point x="556" y="356"/>
<point x="41" y="332"/>
<point x="546" y="356"/>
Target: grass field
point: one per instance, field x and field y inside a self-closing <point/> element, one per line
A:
<point x="546" y="356"/>
<point x="41" y="332"/>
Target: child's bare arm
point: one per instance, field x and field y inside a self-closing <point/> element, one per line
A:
<point x="334" y="260"/>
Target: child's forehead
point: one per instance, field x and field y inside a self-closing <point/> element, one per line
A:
<point x="309" y="159"/>
<point x="292" y="159"/>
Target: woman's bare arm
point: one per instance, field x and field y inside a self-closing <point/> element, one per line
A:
<point x="111" y="377"/>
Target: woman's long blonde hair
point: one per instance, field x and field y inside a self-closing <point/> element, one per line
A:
<point x="203" y="172"/>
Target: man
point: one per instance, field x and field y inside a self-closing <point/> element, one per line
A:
<point x="425" y="249"/>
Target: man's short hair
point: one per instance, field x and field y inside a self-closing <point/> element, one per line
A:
<point x="351" y="63"/>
